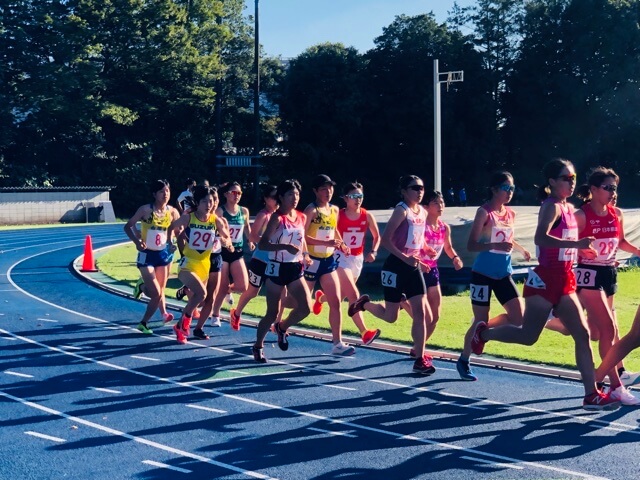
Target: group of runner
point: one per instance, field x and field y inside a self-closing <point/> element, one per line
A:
<point x="294" y="250"/>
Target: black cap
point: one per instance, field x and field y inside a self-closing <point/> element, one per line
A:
<point x="321" y="180"/>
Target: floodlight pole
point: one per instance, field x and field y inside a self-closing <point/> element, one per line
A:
<point x="437" y="134"/>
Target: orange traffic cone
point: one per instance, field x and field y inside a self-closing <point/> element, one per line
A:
<point x="88" y="264"/>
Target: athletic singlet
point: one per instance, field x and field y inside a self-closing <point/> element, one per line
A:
<point x="288" y="232"/>
<point x="434" y="238"/>
<point x="201" y="237"/>
<point x="566" y="228"/>
<point x="497" y="228"/>
<point x="257" y="253"/>
<point x="409" y="236"/>
<point x="606" y="230"/>
<point x="154" y="229"/>
<point x="236" y="227"/>
<point x="323" y="227"/>
<point x="353" y="231"/>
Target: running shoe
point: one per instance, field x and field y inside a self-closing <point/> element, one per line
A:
<point x="477" y="344"/>
<point x="599" y="401"/>
<point x="230" y="299"/>
<point x="412" y="353"/>
<point x="624" y="396"/>
<point x="358" y="305"/>
<point x="630" y="379"/>
<point x="181" y="292"/>
<point x="369" y="336"/>
<point x="167" y="318"/>
<point x="180" y="334"/>
<point x="144" y="329"/>
<point x="464" y="370"/>
<point x="258" y="354"/>
<point x="215" y="322"/>
<point x="283" y="343"/>
<point x="199" y="333"/>
<point x="195" y="314"/>
<point x="185" y="325"/>
<point x="317" y="305"/>
<point x="137" y="289"/>
<point x="342" y="350"/>
<point x="423" y="367"/>
<point x="234" y="319"/>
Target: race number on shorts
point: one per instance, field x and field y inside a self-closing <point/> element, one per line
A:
<point x="273" y="269"/>
<point x="534" y="280"/>
<point x="479" y="293"/>
<point x="389" y="279"/>
<point x="585" y="277"/>
<point x="255" y="279"/>
<point x="313" y="268"/>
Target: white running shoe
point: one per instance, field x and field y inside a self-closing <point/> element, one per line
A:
<point x="629" y="379"/>
<point x="230" y="299"/>
<point x="624" y="396"/>
<point x="215" y="322"/>
<point x="342" y="350"/>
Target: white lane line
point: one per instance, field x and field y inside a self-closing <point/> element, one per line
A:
<point x="462" y="405"/>
<point x="241" y="372"/>
<point x="151" y="359"/>
<point x="565" y="384"/>
<point x="338" y="387"/>
<point x="208" y="409"/>
<point x="8" y="290"/>
<point x="164" y="465"/>
<point x="9" y="338"/>
<point x="46" y="437"/>
<point x="128" y="436"/>
<point x="105" y="390"/>
<point x="70" y="347"/>
<point x="47" y="320"/>
<point x="112" y="328"/>
<point x="497" y="464"/>
<point x="316" y="417"/>
<point x="339" y="434"/>
<point x="18" y="374"/>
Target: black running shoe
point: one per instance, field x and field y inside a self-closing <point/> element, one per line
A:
<point x="199" y="333"/>
<point x="181" y="292"/>
<point x="283" y="343"/>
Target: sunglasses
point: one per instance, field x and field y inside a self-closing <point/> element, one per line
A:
<point x="610" y="188"/>
<point x="416" y="188"/>
<point x="508" y="188"/>
<point x="235" y="192"/>
<point x="568" y="178"/>
<point x="354" y="196"/>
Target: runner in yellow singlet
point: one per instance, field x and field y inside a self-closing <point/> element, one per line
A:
<point x="154" y="252"/>
<point x="200" y="228"/>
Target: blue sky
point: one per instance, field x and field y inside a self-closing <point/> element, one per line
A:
<point x="288" y="27"/>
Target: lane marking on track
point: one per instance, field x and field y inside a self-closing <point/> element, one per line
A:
<point x="18" y="374"/>
<point x="9" y="290"/>
<point x="208" y="409"/>
<point x="576" y="385"/>
<point x="481" y="460"/>
<point x="45" y="437"/>
<point x="47" y="320"/>
<point x="297" y="413"/>
<point x="461" y="405"/>
<point x="338" y="387"/>
<point x="105" y="390"/>
<point x="239" y="372"/>
<point x="70" y="347"/>
<point x="134" y="438"/>
<point x="150" y="359"/>
<point x="11" y="339"/>
<point x="168" y="467"/>
<point x="340" y="434"/>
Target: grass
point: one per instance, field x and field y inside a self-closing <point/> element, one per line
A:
<point x="551" y="349"/>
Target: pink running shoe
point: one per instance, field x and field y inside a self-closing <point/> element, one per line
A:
<point x="167" y="318"/>
<point x="317" y="305"/>
<point x="369" y="336"/>
<point x="234" y="319"/>
<point x="477" y="344"/>
<point x="180" y="334"/>
<point x="600" y="401"/>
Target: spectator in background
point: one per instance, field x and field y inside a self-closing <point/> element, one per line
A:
<point x="462" y="195"/>
<point x="452" y="197"/>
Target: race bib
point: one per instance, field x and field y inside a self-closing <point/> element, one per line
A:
<point x="353" y="239"/>
<point x="324" y="235"/>
<point x="534" y="280"/>
<point x="313" y="268"/>
<point x="606" y="248"/>
<point x="255" y="279"/>
<point x="273" y="269"/>
<point x="156" y="239"/>
<point x="585" y="277"/>
<point x="568" y="254"/>
<point x="142" y="258"/>
<point x="415" y="237"/>
<point x="479" y="293"/>
<point x="499" y="235"/>
<point x="201" y="239"/>
<point x="235" y="233"/>
<point x="338" y="255"/>
<point x="217" y="245"/>
<point x="389" y="279"/>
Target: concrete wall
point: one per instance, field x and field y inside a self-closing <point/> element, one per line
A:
<point x="35" y="207"/>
